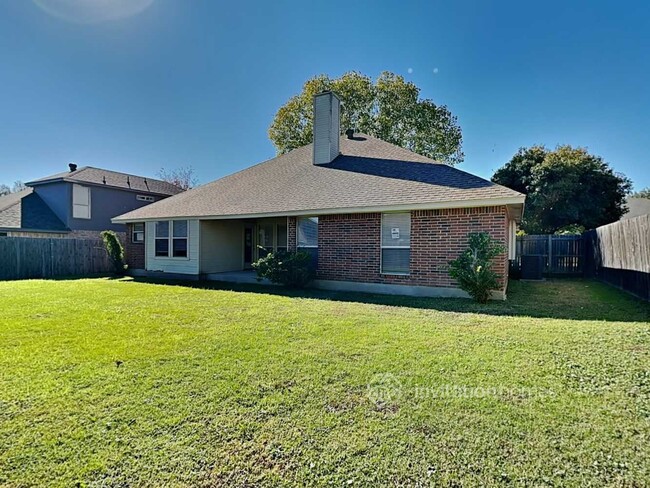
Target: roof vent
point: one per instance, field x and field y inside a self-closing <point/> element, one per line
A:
<point x="327" y="127"/>
<point x="350" y="133"/>
<point x="73" y="167"/>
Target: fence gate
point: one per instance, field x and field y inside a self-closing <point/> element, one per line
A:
<point x="559" y="255"/>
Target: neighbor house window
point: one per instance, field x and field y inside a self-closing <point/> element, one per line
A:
<point x="171" y="238"/>
<point x="3" y="234"/>
<point x="137" y="234"/>
<point x="80" y="202"/>
<point x="395" y="243"/>
<point x="162" y="238"/>
<point x="308" y="232"/>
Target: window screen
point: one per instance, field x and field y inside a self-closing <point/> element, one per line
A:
<point x="396" y="243"/>
<point x="308" y="232"/>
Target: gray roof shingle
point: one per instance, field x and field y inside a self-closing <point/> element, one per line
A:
<point x="369" y="173"/>
<point x="97" y="176"/>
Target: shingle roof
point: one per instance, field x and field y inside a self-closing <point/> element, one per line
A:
<point x="98" y="176"/>
<point x="25" y="210"/>
<point x="636" y="206"/>
<point x="369" y="173"/>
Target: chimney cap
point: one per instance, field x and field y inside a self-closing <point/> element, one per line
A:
<point x="72" y="166"/>
<point x="349" y="133"/>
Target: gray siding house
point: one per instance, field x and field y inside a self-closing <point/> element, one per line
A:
<point x="77" y="203"/>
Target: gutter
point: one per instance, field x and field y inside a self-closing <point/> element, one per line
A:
<point x="489" y="202"/>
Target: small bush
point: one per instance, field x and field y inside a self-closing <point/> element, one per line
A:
<point x="115" y="250"/>
<point x="473" y="268"/>
<point x="292" y="269"/>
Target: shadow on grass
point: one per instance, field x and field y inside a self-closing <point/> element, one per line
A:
<point x="569" y="299"/>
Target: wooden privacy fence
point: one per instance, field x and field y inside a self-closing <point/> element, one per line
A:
<point x="561" y="255"/>
<point x="619" y="254"/>
<point x="26" y="257"/>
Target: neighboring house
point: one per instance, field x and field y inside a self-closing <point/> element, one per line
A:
<point x="375" y="217"/>
<point x="636" y="207"/>
<point x="77" y="203"/>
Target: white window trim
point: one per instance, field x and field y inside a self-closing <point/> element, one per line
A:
<point x="134" y="232"/>
<point x="170" y="239"/>
<point x="382" y="247"/>
<point x="80" y="205"/>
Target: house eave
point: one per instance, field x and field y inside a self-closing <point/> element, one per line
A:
<point x="485" y="202"/>
<point x="42" y="231"/>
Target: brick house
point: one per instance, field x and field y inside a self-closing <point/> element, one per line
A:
<point x="374" y="216"/>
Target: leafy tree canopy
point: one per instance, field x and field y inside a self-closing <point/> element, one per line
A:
<point x="389" y="108"/>
<point x="567" y="188"/>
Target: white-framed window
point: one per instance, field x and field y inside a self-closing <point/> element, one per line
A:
<point x="80" y="202"/>
<point x="171" y="238"/>
<point x="179" y="238"/>
<point x="144" y="198"/>
<point x="396" y="243"/>
<point x="162" y="238"/>
<point x="137" y="233"/>
<point x="307" y="231"/>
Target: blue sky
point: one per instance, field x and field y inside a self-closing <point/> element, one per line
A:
<point x="198" y="82"/>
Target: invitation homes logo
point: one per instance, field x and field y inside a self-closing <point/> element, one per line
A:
<point x="386" y="388"/>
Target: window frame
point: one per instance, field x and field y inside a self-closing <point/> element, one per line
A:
<point x="135" y="232"/>
<point x="382" y="246"/>
<point x="88" y="206"/>
<point x="170" y="240"/>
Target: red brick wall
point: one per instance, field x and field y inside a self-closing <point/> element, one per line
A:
<point x="134" y="251"/>
<point x="349" y="245"/>
<point x="291" y="233"/>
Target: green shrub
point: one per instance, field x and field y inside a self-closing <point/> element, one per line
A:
<point x="473" y="268"/>
<point x="115" y="250"/>
<point x="291" y="269"/>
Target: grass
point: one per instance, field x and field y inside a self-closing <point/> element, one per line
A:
<point x="124" y="383"/>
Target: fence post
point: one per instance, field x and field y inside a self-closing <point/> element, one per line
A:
<point x="550" y="254"/>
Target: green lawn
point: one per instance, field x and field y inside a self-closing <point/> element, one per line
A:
<point x="123" y="383"/>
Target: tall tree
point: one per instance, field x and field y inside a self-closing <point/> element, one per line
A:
<point x="181" y="177"/>
<point x="389" y="109"/>
<point x="566" y="188"/>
